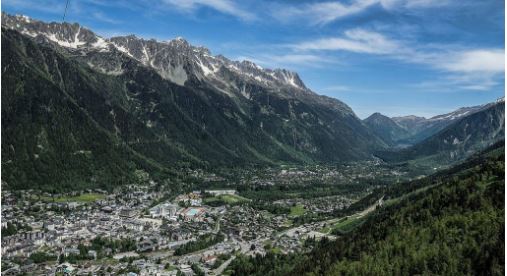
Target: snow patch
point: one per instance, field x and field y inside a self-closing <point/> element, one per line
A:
<point x="69" y="44"/>
<point x="122" y="49"/>
<point x="145" y="53"/>
<point x="26" y="32"/>
<point x="204" y="68"/>
<point x="100" y="43"/>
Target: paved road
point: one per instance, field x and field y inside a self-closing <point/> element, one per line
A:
<point x="362" y="213"/>
<point x="223" y="266"/>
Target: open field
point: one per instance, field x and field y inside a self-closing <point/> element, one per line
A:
<point x="297" y="210"/>
<point x="346" y="224"/>
<point x="228" y="199"/>
<point x="90" y="197"/>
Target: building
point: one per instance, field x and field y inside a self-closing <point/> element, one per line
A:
<point x="92" y="254"/>
<point x="127" y="213"/>
<point x="221" y="192"/>
<point x="164" y="210"/>
<point x="193" y="214"/>
<point x="186" y="270"/>
<point x="70" y="251"/>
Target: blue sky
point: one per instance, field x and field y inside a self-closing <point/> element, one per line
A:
<point x="397" y="57"/>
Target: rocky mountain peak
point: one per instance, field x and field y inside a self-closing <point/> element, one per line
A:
<point x="176" y="59"/>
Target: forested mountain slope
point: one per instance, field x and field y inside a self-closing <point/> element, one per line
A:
<point x="460" y="139"/>
<point x="420" y="128"/>
<point x="451" y="223"/>
<point x="386" y="128"/>
<point x="80" y="108"/>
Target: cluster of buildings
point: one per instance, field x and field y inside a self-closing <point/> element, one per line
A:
<point x="57" y="228"/>
<point x="156" y="226"/>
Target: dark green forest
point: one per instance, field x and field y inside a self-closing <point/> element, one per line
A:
<point x="451" y="223"/>
<point x="70" y="127"/>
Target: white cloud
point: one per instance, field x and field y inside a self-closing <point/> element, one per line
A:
<point x="482" y="60"/>
<point x="397" y="4"/>
<point x="104" y="18"/>
<point x="290" y="61"/>
<point x="223" y="6"/>
<point x="467" y="81"/>
<point x="323" y="12"/>
<point x="355" y="40"/>
<point x="320" y="13"/>
<point x="467" y="69"/>
<point x="336" y="88"/>
<point x="451" y="58"/>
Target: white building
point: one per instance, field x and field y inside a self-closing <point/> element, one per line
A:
<point x="164" y="210"/>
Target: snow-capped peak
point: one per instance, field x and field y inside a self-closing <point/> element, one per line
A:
<point x="175" y="59"/>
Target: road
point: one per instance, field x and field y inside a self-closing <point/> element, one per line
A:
<point x="223" y="266"/>
<point x="362" y="213"/>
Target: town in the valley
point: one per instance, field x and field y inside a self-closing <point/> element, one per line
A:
<point x="144" y="229"/>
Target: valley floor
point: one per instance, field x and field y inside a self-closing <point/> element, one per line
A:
<point x="218" y="227"/>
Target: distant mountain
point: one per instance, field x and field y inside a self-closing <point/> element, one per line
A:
<point x="466" y="135"/>
<point x="78" y="109"/>
<point x="421" y="128"/>
<point x="386" y="128"/>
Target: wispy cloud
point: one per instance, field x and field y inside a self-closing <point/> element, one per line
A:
<point x="466" y="81"/>
<point x="355" y="40"/>
<point x="321" y="13"/>
<point x="336" y="89"/>
<point x="291" y="61"/>
<point x="481" y="60"/>
<point x="465" y="68"/>
<point x="223" y="6"/>
<point x="104" y="18"/>
<point x="393" y="4"/>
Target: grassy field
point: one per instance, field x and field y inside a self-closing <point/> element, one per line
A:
<point x="275" y="250"/>
<point x="297" y="210"/>
<point x="229" y="199"/>
<point x="91" y="197"/>
<point x="346" y="224"/>
<point x="325" y="230"/>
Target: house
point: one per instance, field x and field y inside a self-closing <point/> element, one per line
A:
<point x="108" y="251"/>
<point x="209" y="260"/>
<point x="186" y="270"/>
<point x="107" y="209"/>
<point x="127" y="213"/>
<point x="70" y="251"/>
<point x="65" y="269"/>
<point x="92" y="254"/>
<point x="145" y="245"/>
<point x="49" y="226"/>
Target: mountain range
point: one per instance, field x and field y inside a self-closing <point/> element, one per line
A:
<point x="81" y="110"/>
<point x="461" y="133"/>
<point x="75" y="105"/>
<point x="390" y="131"/>
<point x="421" y="128"/>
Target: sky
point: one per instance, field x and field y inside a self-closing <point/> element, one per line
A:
<point x="396" y="57"/>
